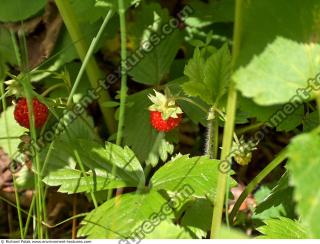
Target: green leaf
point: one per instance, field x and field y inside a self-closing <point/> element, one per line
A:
<point x="110" y="104"/>
<point x="114" y="3"/>
<point x="81" y="138"/>
<point x="275" y="76"/>
<point x="208" y="79"/>
<point x="86" y="11"/>
<point x="168" y="230"/>
<point x="200" y="173"/>
<point x="122" y="216"/>
<point x="279" y="202"/>
<point x="199" y="215"/>
<point x="303" y="165"/>
<point x="191" y="111"/>
<point x="146" y="19"/>
<point x="282" y="228"/>
<point x="230" y="233"/>
<point x="72" y="181"/>
<point x="211" y="12"/>
<point x="25" y="178"/>
<point x="161" y="151"/>
<point x="6" y="47"/>
<point x="137" y="125"/>
<point x="15" y="10"/>
<point x="262" y="22"/>
<point x="273" y="115"/>
<point x="155" y="64"/>
<point x="13" y="130"/>
<point x="127" y="166"/>
<point x="311" y="121"/>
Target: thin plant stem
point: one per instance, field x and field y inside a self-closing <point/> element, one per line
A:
<point x="52" y="88"/>
<point x="249" y="128"/>
<point x="26" y="83"/>
<point x="44" y="223"/>
<point x="124" y="88"/>
<point x="4" y="107"/>
<point x="9" y="137"/>
<point x="88" y="55"/>
<point x="29" y="216"/>
<point x="92" y="69"/>
<point x="253" y="184"/>
<point x="228" y="129"/>
<point x="226" y="202"/>
<point x="193" y="103"/>
<point x="79" y="161"/>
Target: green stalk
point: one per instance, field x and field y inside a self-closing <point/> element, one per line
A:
<point x="4" y="107"/>
<point x="95" y="203"/>
<point x="213" y="138"/>
<point x="123" y="91"/>
<point x="222" y="176"/>
<point x="88" y="55"/>
<point x="124" y="88"/>
<point x="252" y="185"/>
<point x="228" y="129"/>
<point x="92" y="69"/>
<point x="26" y="83"/>
<point x="29" y="217"/>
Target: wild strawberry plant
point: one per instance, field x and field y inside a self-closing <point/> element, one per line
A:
<point x="138" y="119"/>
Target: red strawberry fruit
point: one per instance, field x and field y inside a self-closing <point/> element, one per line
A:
<point x="165" y="115"/>
<point x="160" y="124"/>
<point x="21" y="113"/>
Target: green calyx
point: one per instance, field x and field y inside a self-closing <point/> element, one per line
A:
<point x="165" y="103"/>
<point x="14" y="87"/>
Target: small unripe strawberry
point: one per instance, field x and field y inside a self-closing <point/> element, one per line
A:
<point x="160" y="124"/>
<point x="21" y="113"/>
<point x="242" y="151"/>
<point x="165" y="114"/>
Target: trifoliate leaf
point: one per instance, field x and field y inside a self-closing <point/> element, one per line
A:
<point x="208" y="79"/>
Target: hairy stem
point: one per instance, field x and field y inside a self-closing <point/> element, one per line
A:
<point x="228" y="129"/>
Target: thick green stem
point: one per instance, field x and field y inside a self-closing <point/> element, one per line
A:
<point x="213" y="137"/>
<point x="225" y="155"/>
<point x="93" y="71"/>
<point x="228" y="129"/>
<point x="252" y="185"/>
<point x="123" y="91"/>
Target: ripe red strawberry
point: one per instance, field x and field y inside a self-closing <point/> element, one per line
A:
<point x="160" y="124"/>
<point x="165" y="114"/>
<point x="21" y="113"/>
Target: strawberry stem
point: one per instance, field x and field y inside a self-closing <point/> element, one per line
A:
<point x="228" y="130"/>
